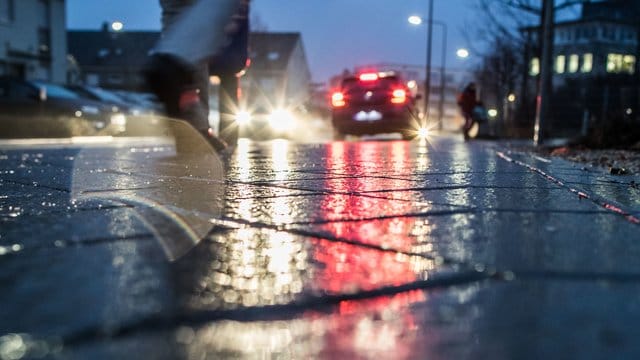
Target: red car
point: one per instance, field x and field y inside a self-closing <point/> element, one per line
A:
<point x="373" y="103"/>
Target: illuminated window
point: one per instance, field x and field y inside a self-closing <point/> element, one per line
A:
<point x="574" y="63"/>
<point x="534" y="67"/>
<point x="560" y="64"/>
<point x="587" y="63"/>
<point x="618" y="63"/>
<point x="629" y="63"/>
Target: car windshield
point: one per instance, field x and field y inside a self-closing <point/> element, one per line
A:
<point x="105" y="95"/>
<point x="56" y="91"/>
<point x="355" y="84"/>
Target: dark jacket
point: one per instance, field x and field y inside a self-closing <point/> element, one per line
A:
<point x="467" y="99"/>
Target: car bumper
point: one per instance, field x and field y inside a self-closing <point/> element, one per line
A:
<point x="371" y="121"/>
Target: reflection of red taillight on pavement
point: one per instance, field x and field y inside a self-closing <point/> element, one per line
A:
<point x="338" y="100"/>
<point x="399" y="96"/>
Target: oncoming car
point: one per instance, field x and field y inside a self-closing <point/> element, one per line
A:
<point x="264" y="122"/>
<point x="373" y="103"/>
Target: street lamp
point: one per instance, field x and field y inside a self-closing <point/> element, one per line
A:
<point x="117" y="26"/>
<point x="462" y="53"/>
<point x="417" y="20"/>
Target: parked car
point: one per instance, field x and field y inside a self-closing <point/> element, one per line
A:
<point x="41" y="109"/>
<point x="110" y="97"/>
<point x="373" y="103"/>
<point x="141" y="99"/>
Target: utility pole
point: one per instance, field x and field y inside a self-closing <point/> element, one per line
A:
<point x="443" y="76"/>
<point x="545" y="87"/>
<point x="427" y="81"/>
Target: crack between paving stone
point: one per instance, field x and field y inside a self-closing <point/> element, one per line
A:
<point x="37" y="185"/>
<point x="65" y="244"/>
<point x="611" y="277"/>
<point x="365" y="194"/>
<point x="231" y="224"/>
<point x="74" y="210"/>
<point x="603" y="203"/>
<point x="322" y="303"/>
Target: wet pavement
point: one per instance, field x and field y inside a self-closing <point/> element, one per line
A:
<point x="354" y="250"/>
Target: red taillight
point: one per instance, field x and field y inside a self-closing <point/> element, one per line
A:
<point x="399" y="96"/>
<point x="368" y="77"/>
<point x="337" y="99"/>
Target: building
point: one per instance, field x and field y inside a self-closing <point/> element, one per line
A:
<point x="279" y="72"/>
<point x="111" y="59"/>
<point x="595" y="65"/>
<point x="600" y="42"/>
<point x="33" y="38"/>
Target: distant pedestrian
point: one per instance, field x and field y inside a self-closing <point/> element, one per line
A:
<point x="468" y="100"/>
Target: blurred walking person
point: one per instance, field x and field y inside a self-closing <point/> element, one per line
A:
<point x="194" y="34"/>
<point x="468" y="100"/>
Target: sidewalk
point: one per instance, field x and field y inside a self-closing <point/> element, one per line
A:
<point x="373" y="249"/>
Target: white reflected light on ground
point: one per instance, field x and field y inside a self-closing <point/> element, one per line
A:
<point x="243" y="160"/>
<point x="295" y="339"/>
<point x="280" y="152"/>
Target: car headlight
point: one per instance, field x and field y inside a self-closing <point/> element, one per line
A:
<point x="118" y="119"/>
<point x="243" y="117"/>
<point x="281" y="119"/>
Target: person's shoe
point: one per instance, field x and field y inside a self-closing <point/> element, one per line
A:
<point x="218" y="144"/>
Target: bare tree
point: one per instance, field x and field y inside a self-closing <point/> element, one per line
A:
<point x="257" y="24"/>
<point x="501" y="30"/>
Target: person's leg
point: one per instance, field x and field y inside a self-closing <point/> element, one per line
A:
<point x="468" y="123"/>
<point x="192" y="31"/>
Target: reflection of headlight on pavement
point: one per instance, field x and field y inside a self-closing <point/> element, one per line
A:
<point x="243" y="117"/>
<point x="119" y="119"/>
<point x="281" y="120"/>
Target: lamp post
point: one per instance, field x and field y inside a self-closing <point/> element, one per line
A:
<point x="427" y="80"/>
<point x="416" y="20"/>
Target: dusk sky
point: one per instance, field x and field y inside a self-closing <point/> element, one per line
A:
<point x="337" y="34"/>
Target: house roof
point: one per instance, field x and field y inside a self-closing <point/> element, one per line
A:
<point x="271" y="51"/>
<point x="107" y="48"/>
<point x="268" y="51"/>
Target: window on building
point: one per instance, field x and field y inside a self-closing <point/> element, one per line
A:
<point x="534" y="67"/>
<point x="619" y="63"/>
<point x="560" y="64"/>
<point x="574" y="63"/>
<point x="6" y="11"/>
<point x="587" y="63"/>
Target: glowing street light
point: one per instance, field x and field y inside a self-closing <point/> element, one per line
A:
<point x="462" y="53"/>
<point x="117" y="26"/>
<point x="415" y="20"/>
